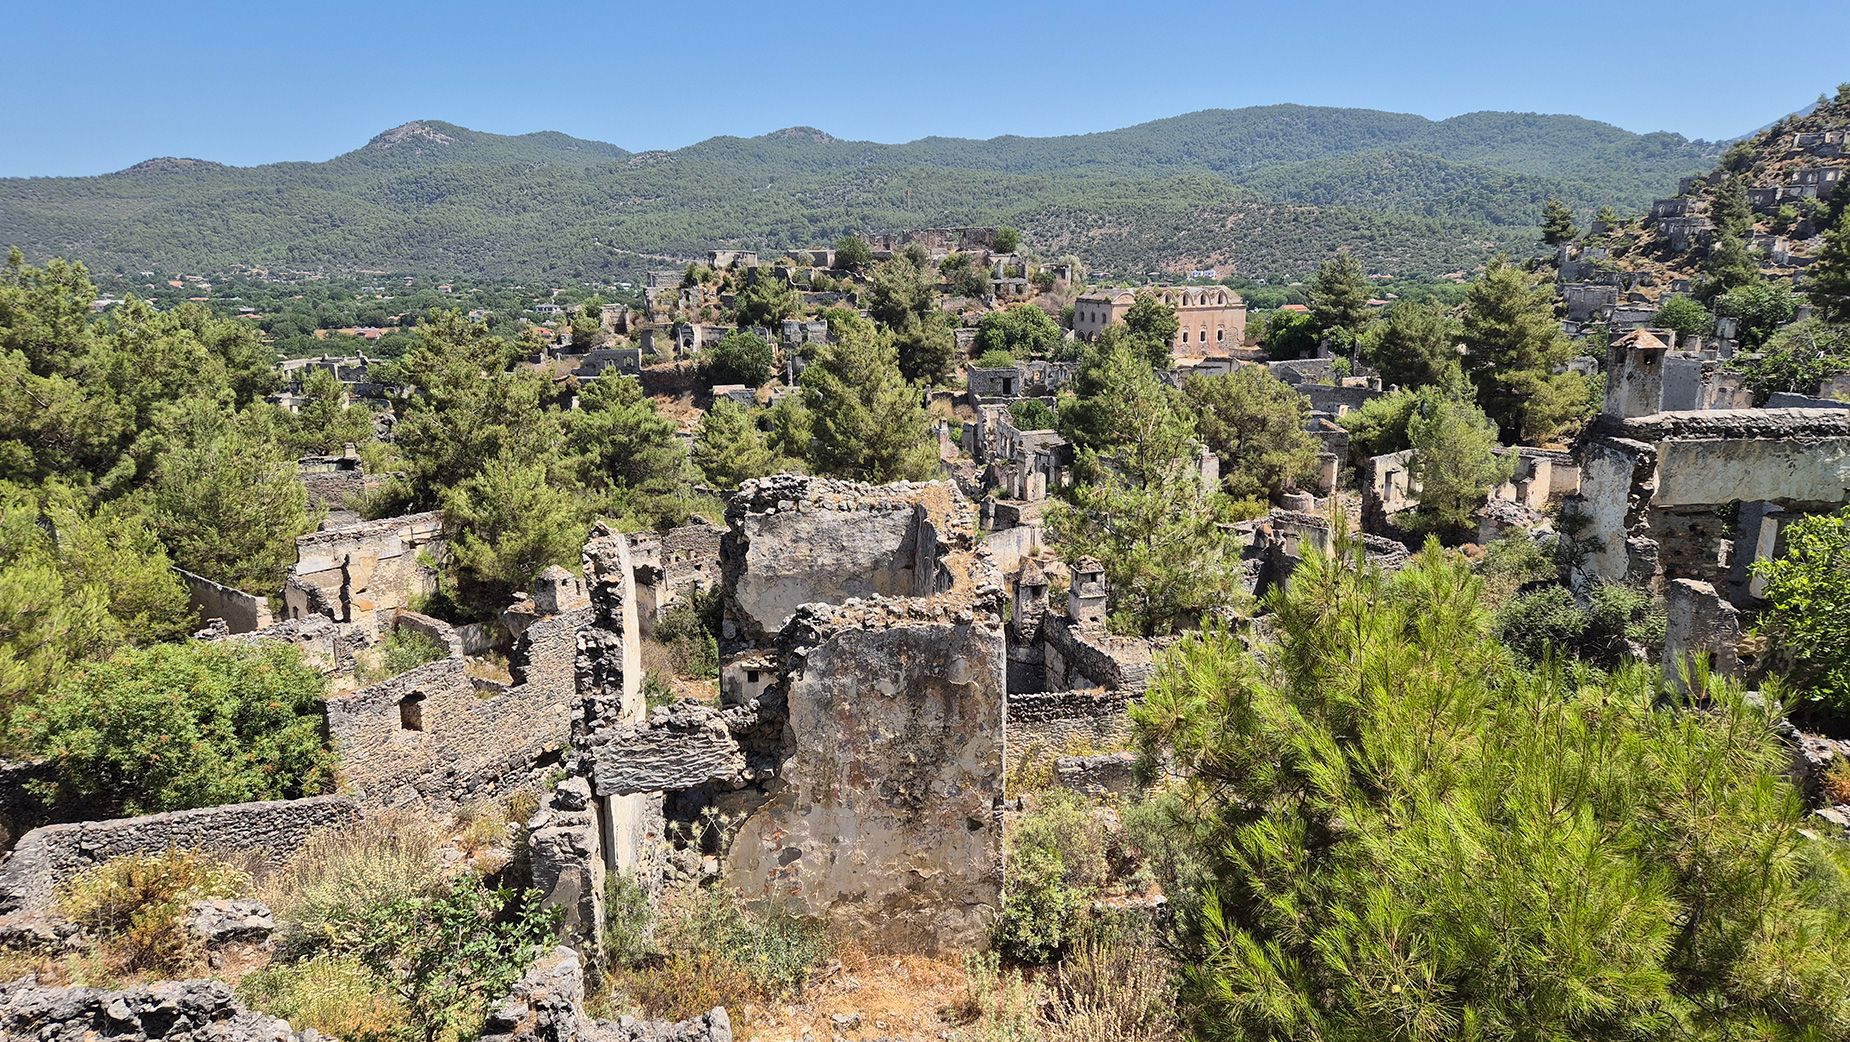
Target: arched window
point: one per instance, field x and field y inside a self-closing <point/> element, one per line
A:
<point x="1204" y="335"/>
<point x="1185" y="336"/>
<point x="1220" y="336"/>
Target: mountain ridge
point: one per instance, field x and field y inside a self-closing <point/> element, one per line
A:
<point x="429" y="195"/>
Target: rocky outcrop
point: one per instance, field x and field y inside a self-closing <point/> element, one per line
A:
<point x="171" y="1011"/>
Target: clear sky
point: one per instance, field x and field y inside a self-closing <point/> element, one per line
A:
<point x="91" y="87"/>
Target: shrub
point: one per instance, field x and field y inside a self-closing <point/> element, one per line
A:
<point x="137" y="904"/>
<point x="1113" y="990"/>
<point x="402" y="651"/>
<point x="687" y="633"/>
<point x="1550" y="621"/>
<point x="1808" y="614"/>
<point x="448" y="956"/>
<point x="1001" y="1005"/>
<point x="1837" y="782"/>
<point x="629" y="920"/>
<point x="995" y="359"/>
<point x="336" y="995"/>
<point x="1057" y="865"/>
<point x="175" y="726"/>
<point x="322" y="896"/>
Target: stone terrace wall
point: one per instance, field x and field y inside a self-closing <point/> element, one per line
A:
<point x="427" y="735"/>
<point x="794" y="540"/>
<point x="882" y="820"/>
<point x="274" y="830"/>
<point x="1049" y="723"/>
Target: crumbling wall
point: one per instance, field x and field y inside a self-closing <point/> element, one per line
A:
<point x="354" y="573"/>
<point x="1074" y="657"/>
<point x="795" y="540"/>
<point x="242" y="612"/>
<point x="428" y="736"/>
<point x="270" y="831"/>
<point x="882" y="818"/>
<point x="1660" y="494"/>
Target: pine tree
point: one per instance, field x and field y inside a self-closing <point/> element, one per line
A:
<point x="729" y="448"/>
<point x="1455" y="461"/>
<point x="1729" y="210"/>
<point x="1514" y="351"/>
<point x="866" y="421"/>
<point x="1381" y="827"/>
<point x="1415" y="345"/>
<point x="505" y="524"/>
<point x="1557" y="222"/>
<point x="1254" y="423"/>
<point x="1122" y="417"/>
<point x="1168" y="558"/>
<point x="1827" y="282"/>
<point x="1339" y="299"/>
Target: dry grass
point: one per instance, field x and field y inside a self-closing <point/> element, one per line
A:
<point x="1837" y="781"/>
<point x="136" y="906"/>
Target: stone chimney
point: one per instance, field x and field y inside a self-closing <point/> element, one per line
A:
<point x="1085" y="599"/>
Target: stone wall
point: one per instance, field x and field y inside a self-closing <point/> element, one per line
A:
<point x="1048" y="723"/>
<point x="673" y="566"/>
<point x="1664" y="496"/>
<point x="270" y="831"/>
<point x="242" y="612"/>
<point x="1074" y="657"/>
<point x="428" y="736"/>
<point x="882" y="817"/>
<point x="794" y="540"/>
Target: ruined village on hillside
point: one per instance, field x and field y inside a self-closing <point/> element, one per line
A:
<point x="934" y="625"/>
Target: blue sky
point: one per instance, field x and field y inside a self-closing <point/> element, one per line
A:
<point x="89" y="87"/>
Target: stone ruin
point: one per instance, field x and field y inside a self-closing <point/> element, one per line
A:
<point x="852" y="770"/>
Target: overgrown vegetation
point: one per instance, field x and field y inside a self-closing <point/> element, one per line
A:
<point x="1393" y="829"/>
<point x="135" y="906"/>
<point x="708" y="949"/>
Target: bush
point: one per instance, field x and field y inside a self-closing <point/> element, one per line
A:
<point x="448" y="956"/>
<point x="1001" y="1004"/>
<point x="995" y="359"/>
<point x="402" y="651"/>
<point x="1808" y="615"/>
<point x="686" y="630"/>
<point x="137" y="904"/>
<point x="321" y="897"/>
<point x="1114" y="990"/>
<point x="1549" y="621"/>
<point x="175" y="726"/>
<point x="1057" y="865"/>
<point x="629" y="920"/>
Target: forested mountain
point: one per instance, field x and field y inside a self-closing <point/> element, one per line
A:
<point x="1268" y="190"/>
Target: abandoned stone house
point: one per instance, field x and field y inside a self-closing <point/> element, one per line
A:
<point x="1683" y="492"/>
<point x="1034" y="378"/>
<point x="1208" y="317"/>
<point x="361" y="573"/>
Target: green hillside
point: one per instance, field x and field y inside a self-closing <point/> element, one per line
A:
<point x="1270" y="190"/>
